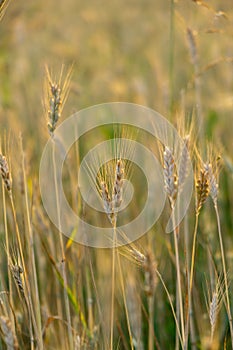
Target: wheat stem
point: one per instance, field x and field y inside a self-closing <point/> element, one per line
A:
<point x="28" y="301"/>
<point x="171" y="187"/>
<point x="7" y="252"/>
<point x="190" y="303"/>
<point x="191" y="281"/>
<point x="125" y="302"/>
<point x="63" y="258"/>
<point x="113" y="287"/>
<point x="32" y="253"/>
<point x="172" y="307"/>
<point x="178" y="276"/>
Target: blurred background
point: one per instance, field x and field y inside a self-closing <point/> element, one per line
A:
<point x="136" y="51"/>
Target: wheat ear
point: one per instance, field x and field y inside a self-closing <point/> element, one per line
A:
<point x="202" y="189"/>
<point x="5" y="173"/>
<point x="170" y="176"/>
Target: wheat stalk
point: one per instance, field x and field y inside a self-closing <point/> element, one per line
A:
<point x="6" y="174"/>
<point x="171" y="188"/>
<point x="202" y="192"/>
<point x="7" y="180"/>
<point x="111" y="192"/>
<point x="32" y="260"/>
<point x="141" y="259"/>
<point x="57" y="92"/>
<point x="213" y="168"/>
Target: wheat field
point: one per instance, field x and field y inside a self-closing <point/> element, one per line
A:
<point x="158" y="291"/>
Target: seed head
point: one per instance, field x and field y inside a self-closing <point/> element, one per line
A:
<point x="6" y="176"/>
<point x="170" y="175"/>
<point x="55" y="101"/>
<point x="202" y="189"/>
<point x="16" y="273"/>
<point x="56" y="94"/>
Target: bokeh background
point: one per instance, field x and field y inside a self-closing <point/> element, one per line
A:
<point x="136" y="51"/>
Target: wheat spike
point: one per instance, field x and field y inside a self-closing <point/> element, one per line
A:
<point x="57" y="91"/>
<point x="139" y="257"/>
<point x="16" y="273"/>
<point x="213" y="310"/>
<point x="6" y="176"/>
<point x="170" y="176"/>
<point x="112" y="202"/>
<point x="202" y="189"/>
<point x="54" y="111"/>
<point x="214" y="304"/>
